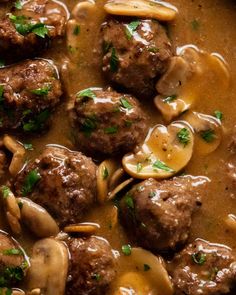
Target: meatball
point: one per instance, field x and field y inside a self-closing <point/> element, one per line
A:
<point x="92" y="266"/>
<point x="135" y="53"/>
<point x="61" y="181"/>
<point x="13" y="263"/>
<point x="158" y="214"/>
<point x="28" y="93"/>
<point x="107" y="122"/>
<point x="25" y="32"/>
<point x="204" y="268"/>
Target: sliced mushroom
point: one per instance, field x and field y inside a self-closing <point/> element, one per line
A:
<point x="37" y="219"/>
<point x="166" y="151"/>
<point x="82" y="228"/>
<point x="208" y="132"/>
<point x="18" y="151"/>
<point x="82" y="9"/>
<point x="116" y="178"/>
<point x="11" y="209"/>
<point x="105" y="171"/>
<point x="230" y="221"/>
<point x="188" y="76"/>
<point x="142" y="8"/>
<point x="150" y="278"/>
<point x="17" y="292"/>
<point x="49" y="267"/>
<point x="119" y="188"/>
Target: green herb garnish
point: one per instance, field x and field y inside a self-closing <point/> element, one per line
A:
<point x="114" y="62"/>
<point x="184" y="136"/>
<point x="125" y="103"/>
<point x="1" y="93"/>
<point x="12" y="251"/>
<point x="170" y="98"/>
<point x="195" y="25"/>
<point x="139" y="167"/>
<point x="129" y="201"/>
<point x="31" y="180"/>
<point x="126" y="250"/>
<point x="41" y="91"/>
<point x="111" y="130"/>
<point x="18" y="5"/>
<point x="96" y="277"/>
<point x="146" y="267"/>
<point x="28" y="146"/>
<point x="153" y="49"/>
<point x="105" y="173"/>
<point x="162" y="166"/>
<point x="218" y="115"/>
<point x="76" y="30"/>
<point x="5" y="191"/>
<point x="88" y="126"/>
<point x="86" y="93"/>
<point x="208" y="135"/>
<point x="37" y="123"/>
<point x="131" y="28"/>
<point x="199" y="258"/>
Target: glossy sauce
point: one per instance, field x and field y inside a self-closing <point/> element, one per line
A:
<point x="210" y="25"/>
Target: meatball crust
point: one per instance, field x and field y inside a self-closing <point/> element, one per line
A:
<point x="204" y="268"/>
<point x="159" y="214"/>
<point x="92" y="266"/>
<point x="134" y="59"/>
<point x="27" y="31"/>
<point x="108" y="123"/>
<point x="29" y="91"/>
<point x="12" y="261"/>
<point x="64" y="183"/>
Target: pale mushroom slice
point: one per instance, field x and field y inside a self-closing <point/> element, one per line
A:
<point x="190" y="74"/>
<point x="49" y="267"/>
<point x="18" y="152"/>
<point x="207" y="131"/>
<point x="84" y="228"/>
<point x="159" y="10"/>
<point x="230" y="222"/>
<point x="165" y="151"/>
<point x="37" y="219"/>
<point x="151" y="277"/>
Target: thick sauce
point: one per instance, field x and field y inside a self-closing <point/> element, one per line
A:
<point x="210" y="25"/>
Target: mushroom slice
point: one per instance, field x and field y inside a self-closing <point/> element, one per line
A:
<point x="230" y="221"/>
<point x="37" y="219"/>
<point x="82" y="228"/>
<point x="82" y="9"/>
<point x="105" y="171"/>
<point x="166" y="151"/>
<point x="119" y="188"/>
<point x="159" y="10"/>
<point x="18" y="151"/>
<point x="11" y="209"/>
<point x="49" y="267"/>
<point x="208" y="132"/>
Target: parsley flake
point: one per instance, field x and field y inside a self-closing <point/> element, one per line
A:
<point x="13" y="251"/>
<point x="31" y="180"/>
<point x="183" y="136"/>
<point x="125" y="103"/>
<point x="199" y="258"/>
<point x="146" y="267"/>
<point x="76" y="31"/>
<point x="126" y="250"/>
<point x="170" y="98"/>
<point x="208" y="135"/>
<point x="131" y="28"/>
<point x="111" y="130"/>
<point x="86" y="93"/>
<point x="159" y="165"/>
<point x="42" y="91"/>
<point x="5" y="191"/>
<point x="114" y="62"/>
<point x="218" y="115"/>
<point x="18" y="5"/>
<point x="139" y="167"/>
<point x="105" y="173"/>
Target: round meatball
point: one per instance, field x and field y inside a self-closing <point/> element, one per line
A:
<point x="13" y="263"/>
<point x="28" y="93"/>
<point x="61" y="181"/>
<point x="158" y="214"/>
<point x="92" y="266"/>
<point x="204" y="268"/>
<point x="28" y="30"/>
<point x="106" y="122"/>
<point x="135" y="53"/>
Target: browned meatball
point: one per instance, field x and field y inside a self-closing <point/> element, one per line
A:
<point x="28" y="93"/>
<point x="159" y="214"/>
<point x="25" y="32"/>
<point x="61" y="181"/>
<point x="107" y="122"/>
<point x="204" y="268"/>
<point x="92" y="266"/>
<point x="135" y="53"/>
<point x="13" y="263"/>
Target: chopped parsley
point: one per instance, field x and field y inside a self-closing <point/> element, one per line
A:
<point x="131" y="28"/>
<point x="208" y="135"/>
<point x="126" y="250"/>
<point x="111" y="130"/>
<point x="13" y="251"/>
<point x="128" y="123"/>
<point x="139" y="167"/>
<point x="153" y="49"/>
<point x="10" y="275"/>
<point x="184" y="136"/>
<point x="162" y="166"/>
<point x="89" y="125"/>
<point x="125" y="103"/>
<point x="31" y="180"/>
<point x="195" y="25"/>
<point x="18" y="5"/>
<point x="28" y="146"/>
<point x="86" y="93"/>
<point x="170" y="98"/>
<point x="152" y="194"/>
<point x="129" y="202"/>
<point x="37" y="123"/>
<point x="42" y="91"/>
<point x="218" y="115"/>
<point x="199" y="258"/>
<point x="105" y="173"/>
<point x="76" y="30"/>
<point x="24" y="26"/>
<point x="5" y="191"/>
<point x="106" y="46"/>
<point x="96" y="277"/>
<point x="146" y="267"/>
<point x="1" y="93"/>
<point x="114" y="62"/>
